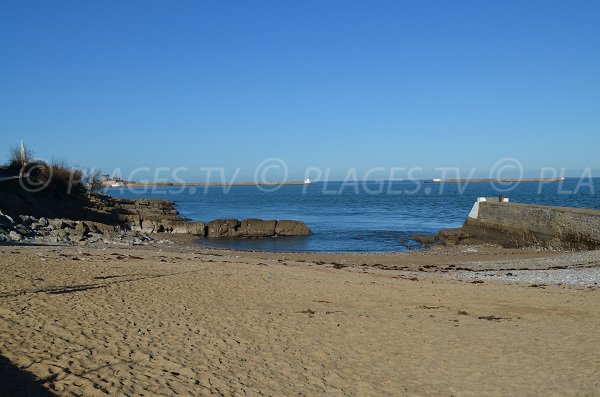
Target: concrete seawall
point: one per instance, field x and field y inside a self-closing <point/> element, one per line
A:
<point x="520" y="225"/>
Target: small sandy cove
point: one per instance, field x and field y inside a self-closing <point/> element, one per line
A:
<point x="196" y="322"/>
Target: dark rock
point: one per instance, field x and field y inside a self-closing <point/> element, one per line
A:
<point x="23" y="230"/>
<point x="151" y="226"/>
<point x="82" y="228"/>
<point x="426" y="239"/>
<point x="193" y="228"/>
<point x="69" y="224"/>
<point x="41" y="232"/>
<point x="257" y="228"/>
<point x="76" y="238"/>
<point x="6" y="220"/>
<point x="445" y="237"/>
<point x="223" y="228"/>
<point x="53" y="240"/>
<point x="97" y="227"/>
<point x="27" y="219"/>
<point x="14" y="236"/>
<point x="58" y="224"/>
<point x="291" y="228"/>
<point x="232" y="228"/>
<point x="55" y="224"/>
<point x="94" y="237"/>
<point x="62" y="233"/>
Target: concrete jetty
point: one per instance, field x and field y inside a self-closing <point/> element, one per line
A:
<point x="520" y="225"/>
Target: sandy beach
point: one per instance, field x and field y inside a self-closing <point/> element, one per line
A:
<point x="182" y="320"/>
<point x="299" y="198"/>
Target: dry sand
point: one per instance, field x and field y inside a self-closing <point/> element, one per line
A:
<point x="186" y="321"/>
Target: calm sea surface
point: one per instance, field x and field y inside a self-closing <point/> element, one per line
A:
<point x="363" y="216"/>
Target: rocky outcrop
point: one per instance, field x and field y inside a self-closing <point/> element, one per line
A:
<point x="291" y="228"/>
<point x="65" y="231"/>
<point x="227" y="228"/>
<point x="255" y="228"/>
<point x="170" y="226"/>
<point x="135" y="212"/>
<point x="454" y="236"/>
<point x="193" y="228"/>
<point x="28" y="229"/>
<point x="58" y="204"/>
<point x="50" y="214"/>
<point x="224" y="228"/>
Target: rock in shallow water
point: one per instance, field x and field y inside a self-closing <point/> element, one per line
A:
<point x="223" y="228"/>
<point x="291" y="228"/>
<point x="193" y="228"/>
<point x="66" y="231"/>
<point x="255" y="228"/>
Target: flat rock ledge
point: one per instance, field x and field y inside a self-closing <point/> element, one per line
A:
<point x="228" y="228"/>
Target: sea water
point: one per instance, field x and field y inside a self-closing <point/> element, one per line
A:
<point x="374" y="216"/>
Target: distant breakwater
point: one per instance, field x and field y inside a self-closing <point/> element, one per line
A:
<point x="185" y="184"/>
<point x="500" y="180"/>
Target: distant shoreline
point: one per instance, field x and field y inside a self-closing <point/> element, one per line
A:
<point x="122" y="184"/>
<point x="498" y="180"/>
<point x="171" y="184"/>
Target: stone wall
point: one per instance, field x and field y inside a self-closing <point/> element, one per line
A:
<point x="519" y="225"/>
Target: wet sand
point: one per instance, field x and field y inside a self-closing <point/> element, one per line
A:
<point x="186" y="320"/>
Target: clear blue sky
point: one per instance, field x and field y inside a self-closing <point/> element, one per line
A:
<point x="323" y="83"/>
